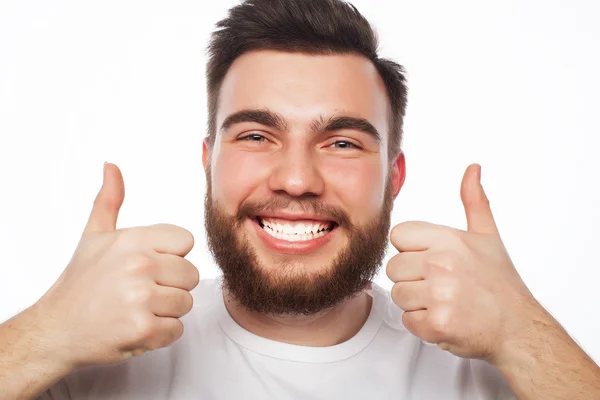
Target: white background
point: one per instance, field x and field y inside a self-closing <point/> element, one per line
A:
<point x="513" y="85"/>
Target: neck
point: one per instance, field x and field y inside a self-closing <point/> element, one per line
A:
<point x="326" y="328"/>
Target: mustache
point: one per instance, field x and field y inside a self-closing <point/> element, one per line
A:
<point x="249" y="209"/>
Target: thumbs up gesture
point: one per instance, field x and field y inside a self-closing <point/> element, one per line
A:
<point x="123" y="290"/>
<point x="459" y="290"/>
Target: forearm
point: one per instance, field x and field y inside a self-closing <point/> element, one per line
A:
<point x="29" y="359"/>
<point x="546" y="363"/>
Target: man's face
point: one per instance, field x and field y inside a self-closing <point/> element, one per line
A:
<point x="299" y="185"/>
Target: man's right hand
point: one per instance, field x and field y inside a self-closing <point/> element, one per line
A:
<point x="123" y="291"/>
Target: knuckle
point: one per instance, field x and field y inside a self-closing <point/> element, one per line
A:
<point x="130" y="238"/>
<point x="428" y="269"/>
<point x="171" y="333"/>
<point x="441" y="262"/>
<point x="459" y="240"/>
<point x="139" y="296"/>
<point x="180" y="303"/>
<point x="144" y="329"/>
<point x="442" y="292"/>
<point x="439" y="322"/>
<point x="140" y="264"/>
<point x="176" y="304"/>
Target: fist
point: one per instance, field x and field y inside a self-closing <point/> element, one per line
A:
<point x="459" y="289"/>
<point x="124" y="290"/>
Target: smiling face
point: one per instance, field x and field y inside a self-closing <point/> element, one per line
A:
<point x="300" y="188"/>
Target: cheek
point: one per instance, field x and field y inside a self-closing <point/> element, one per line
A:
<point x="236" y="175"/>
<point x="359" y="184"/>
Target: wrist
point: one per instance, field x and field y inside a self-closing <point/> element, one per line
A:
<point x="525" y="335"/>
<point x="45" y="336"/>
<point x="31" y="360"/>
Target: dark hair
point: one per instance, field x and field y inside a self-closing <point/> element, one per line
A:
<point x="301" y="26"/>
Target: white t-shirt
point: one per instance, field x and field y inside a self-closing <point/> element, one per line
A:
<point x="218" y="359"/>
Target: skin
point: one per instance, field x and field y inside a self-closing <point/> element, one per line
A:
<point x="121" y="295"/>
<point x="297" y="162"/>
<point x="441" y="270"/>
<point x="438" y="271"/>
<point x="87" y="319"/>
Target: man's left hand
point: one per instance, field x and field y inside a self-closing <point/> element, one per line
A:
<point x="459" y="289"/>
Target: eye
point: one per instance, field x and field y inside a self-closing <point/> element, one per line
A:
<point x="344" y="144"/>
<point x="253" y="137"/>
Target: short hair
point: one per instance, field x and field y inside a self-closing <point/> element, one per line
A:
<point x="301" y="26"/>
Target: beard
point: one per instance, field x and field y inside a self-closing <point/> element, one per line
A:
<point x="287" y="288"/>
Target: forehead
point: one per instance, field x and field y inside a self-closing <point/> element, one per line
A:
<point x="302" y="87"/>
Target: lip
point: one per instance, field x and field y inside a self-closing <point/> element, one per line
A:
<point x="286" y="247"/>
<point x="293" y="216"/>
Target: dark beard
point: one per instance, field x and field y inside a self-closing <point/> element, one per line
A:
<point x="286" y="290"/>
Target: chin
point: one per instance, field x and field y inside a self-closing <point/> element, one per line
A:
<point x="294" y="266"/>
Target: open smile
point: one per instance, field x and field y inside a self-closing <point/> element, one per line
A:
<point x="295" y="231"/>
<point x="293" y="234"/>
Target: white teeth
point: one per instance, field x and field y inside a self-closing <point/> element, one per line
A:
<point x="294" y="237"/>
<point x="294" y="229"/>
<point x="295" y="232"/>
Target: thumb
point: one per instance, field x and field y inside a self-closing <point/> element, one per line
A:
<point x="476" y="203"/>
<point x="108" y="202"/>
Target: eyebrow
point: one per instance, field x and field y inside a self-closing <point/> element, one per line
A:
<point x="276" y="121"/>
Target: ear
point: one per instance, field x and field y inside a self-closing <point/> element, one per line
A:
<point x="205" y="154"/>
<point x="398" y="172"/>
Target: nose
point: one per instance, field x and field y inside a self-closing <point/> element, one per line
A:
<point x="297" y="174"/>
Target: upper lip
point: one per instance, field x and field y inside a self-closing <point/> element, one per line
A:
<point x="292" y="216"/>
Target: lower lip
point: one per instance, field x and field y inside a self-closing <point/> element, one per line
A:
<point x="287" y="247"/>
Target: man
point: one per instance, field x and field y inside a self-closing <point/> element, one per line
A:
<point x="303" y="162"/>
